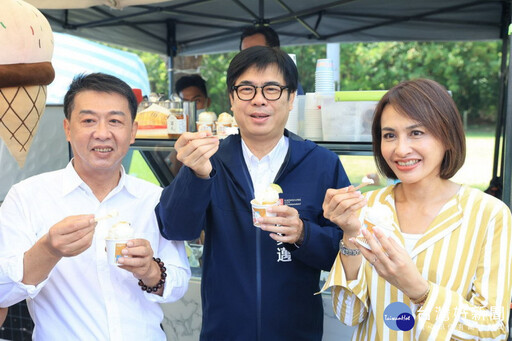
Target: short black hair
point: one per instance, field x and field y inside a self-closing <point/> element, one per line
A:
<point x="271" y="36"/>
<point x="261" y="57"/>
<point x="191" y="80"/>
<point x="100" y="82"/>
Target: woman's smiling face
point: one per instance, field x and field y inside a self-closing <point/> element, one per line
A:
<point x="410" y="150"/>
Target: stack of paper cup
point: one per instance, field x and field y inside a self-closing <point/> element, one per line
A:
<point x="324" y="76"/>
<point x="301" y="103"/>
<point x="312" y="118"/>
<point x="293" y="118"/>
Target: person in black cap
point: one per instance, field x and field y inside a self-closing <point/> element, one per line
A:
<point x="262" y="35"/>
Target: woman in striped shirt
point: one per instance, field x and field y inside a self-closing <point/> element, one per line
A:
<point x="447" y="258"/>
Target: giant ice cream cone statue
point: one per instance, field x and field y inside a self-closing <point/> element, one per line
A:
<point x="26" y="42"/>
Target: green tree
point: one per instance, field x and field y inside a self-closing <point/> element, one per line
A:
<point x="213" y="70"/>
<point x="156" y="65"/>
<point x="469" y="69"/>
<point x="307" y="55"/>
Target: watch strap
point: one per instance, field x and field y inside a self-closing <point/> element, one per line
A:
<point x="348" y="252"/>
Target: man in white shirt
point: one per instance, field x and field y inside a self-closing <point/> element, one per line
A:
<point x="52" y="250"/>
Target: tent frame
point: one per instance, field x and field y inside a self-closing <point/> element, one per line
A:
<point x="311" y="18"/>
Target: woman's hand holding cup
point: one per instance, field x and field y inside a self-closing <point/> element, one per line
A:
<point x="341" y="206"/>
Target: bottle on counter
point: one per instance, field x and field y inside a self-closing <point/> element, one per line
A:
<point x="177" y="122"/>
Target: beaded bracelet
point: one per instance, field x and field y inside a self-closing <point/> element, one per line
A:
<point x="163" y="275"/>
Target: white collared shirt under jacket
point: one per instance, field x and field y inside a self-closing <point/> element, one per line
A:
<point x="263" y="172"/>
<point x="84" y="298"/>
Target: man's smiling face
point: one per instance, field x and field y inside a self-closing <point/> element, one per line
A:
<point x="260" y="118"/>
<point x="100" y="131"/>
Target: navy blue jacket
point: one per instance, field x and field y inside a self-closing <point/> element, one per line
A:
<point x="252" y="287"/>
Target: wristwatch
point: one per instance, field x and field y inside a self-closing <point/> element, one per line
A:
<point x="348" y="252"/>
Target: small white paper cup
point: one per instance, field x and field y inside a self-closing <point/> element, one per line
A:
<point x="387" y="230"/>
<point x="201" y="126"/>
<point x="221" y="128"/>
<point x="114" y="248"/>
<point x="261" y="211"/>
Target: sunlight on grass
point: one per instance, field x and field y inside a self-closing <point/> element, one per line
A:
<point x="477" y="170"/>
<point x="140" y="169"/>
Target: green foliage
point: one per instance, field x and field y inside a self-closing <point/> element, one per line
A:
<point x="469" y="69"/>
<point x="213" y="70"/>
<point x="307" y="55"/>
<point x="140" y="168"/>
<point x="156" y="65"/>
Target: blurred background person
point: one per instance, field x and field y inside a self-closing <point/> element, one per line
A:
<point x="259" y="36"/>
<point x="193" y="89"/>
<point x="262" y="35"/>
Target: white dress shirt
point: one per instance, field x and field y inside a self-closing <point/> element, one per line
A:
<point x="264" y="171"/>
<point x="84" y="298"/>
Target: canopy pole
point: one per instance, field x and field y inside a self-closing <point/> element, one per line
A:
<point x="171" y="53"/>
<point x="170" y="75"/>
<point x="507" y="150"/>
<point x="496" y="184"/>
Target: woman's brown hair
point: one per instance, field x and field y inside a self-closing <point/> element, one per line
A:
<point x="430" y="104"/>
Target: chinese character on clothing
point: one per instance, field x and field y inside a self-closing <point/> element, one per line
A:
<point x="283" y="255"/>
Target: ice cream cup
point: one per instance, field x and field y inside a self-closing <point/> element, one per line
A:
<point x="221" y="128"/>
<point x="202" y="126"/>
<point x="114" y="250"/>
<point x="368" y="225"/>
<point x="259" y="210"/>
<point x="231" y="130"/>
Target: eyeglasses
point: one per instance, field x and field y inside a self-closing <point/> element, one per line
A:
<point x="247" y="92"/>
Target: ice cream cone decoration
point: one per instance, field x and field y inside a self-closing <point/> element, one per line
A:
<point x="21" y="109"/>
<point x="26" y="41"/>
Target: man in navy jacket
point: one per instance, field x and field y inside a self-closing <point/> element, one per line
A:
<point x="257" y="283"/>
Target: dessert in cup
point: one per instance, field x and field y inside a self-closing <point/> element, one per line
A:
<point x="263" y="200"/>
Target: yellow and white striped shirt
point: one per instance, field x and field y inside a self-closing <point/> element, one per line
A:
<point x="465" y="254"/>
